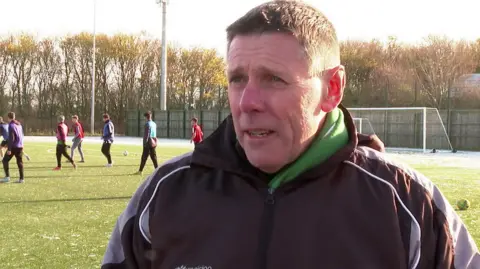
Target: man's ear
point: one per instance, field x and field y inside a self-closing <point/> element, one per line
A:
<point x="335" y="81"/>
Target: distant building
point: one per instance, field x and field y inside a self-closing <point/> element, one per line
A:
<point x="466" y="85"/>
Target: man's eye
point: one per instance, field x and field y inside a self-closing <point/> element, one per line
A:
<point x="276" y="79"/>
<point x="236" y="79"/>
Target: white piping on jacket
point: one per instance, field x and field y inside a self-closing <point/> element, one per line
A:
<point x="144" y="221"/>
<point x="415" y="243"/>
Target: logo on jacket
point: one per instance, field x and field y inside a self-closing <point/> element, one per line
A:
<point x="195" y="267"/>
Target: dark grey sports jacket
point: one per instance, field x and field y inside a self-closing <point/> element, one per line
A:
<point x="211" y="209"/>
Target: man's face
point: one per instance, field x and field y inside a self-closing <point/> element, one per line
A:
<point x="74" y="120"/>
<point x="192" y="123"/>
<point x="105" y="119"/>
<point x="275" y="103"/>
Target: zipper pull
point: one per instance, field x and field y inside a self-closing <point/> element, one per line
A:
<point x="270" y="200"/>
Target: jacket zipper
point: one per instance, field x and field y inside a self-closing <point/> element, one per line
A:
<point x="266" y="228"/>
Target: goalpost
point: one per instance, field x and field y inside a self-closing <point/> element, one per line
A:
<point x="364" y="126"/>
<point x="404" y="127"/>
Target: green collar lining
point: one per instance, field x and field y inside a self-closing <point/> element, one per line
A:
<point x="328" y="141"/>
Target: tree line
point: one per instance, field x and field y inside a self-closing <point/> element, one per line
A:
<point x="42" y="78"/>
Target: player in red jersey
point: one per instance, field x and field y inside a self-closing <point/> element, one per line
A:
<point x="62" y="131"/>
<point x="197" y="134"/>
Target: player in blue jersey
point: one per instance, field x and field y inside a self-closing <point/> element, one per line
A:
<point x="4" y="134"/>
<point x="107" y="137"/>
<point x="149" y="142"/>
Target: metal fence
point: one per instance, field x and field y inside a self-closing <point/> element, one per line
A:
<point x="175" y="123"/>
<point x="402" y="128"/>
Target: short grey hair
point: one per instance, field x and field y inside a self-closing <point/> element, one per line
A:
<point x="315" y="33"/>
<point x="61" y="118"/>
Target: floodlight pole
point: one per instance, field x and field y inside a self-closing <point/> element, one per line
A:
<point x="163" y="66"/>
<point x="92" y="111"/>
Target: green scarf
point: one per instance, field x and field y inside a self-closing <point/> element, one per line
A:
<point x="332" y="137"/>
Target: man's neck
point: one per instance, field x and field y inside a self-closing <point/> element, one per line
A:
<point x="332" y="136"/>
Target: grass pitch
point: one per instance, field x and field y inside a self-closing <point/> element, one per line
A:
<point x="63" y="219"/>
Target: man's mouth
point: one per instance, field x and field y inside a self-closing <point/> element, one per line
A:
<point x="259" y="133"/>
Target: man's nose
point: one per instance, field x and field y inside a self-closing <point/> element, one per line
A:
<point x="252" y="98"/>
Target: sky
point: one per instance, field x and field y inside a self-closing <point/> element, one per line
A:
<point x="203" y="23"/>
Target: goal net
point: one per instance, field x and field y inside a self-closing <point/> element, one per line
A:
<point x="415" y="128"/>
<point x="364" y="126"/>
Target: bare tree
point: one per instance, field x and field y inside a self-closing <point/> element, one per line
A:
<point x="82" y="73"/>
<point x="67" y="87"/>
<point x="48" y="77"/>
<point x="361" y="61"/>
<point x="147" y="91"/>
<point x="23" y="54"/>
<point x="103" y="67"/>
<point x="211" y="76"/>
<point x="437" y="64"/>
<point x="177" y="92"/>
<point x="126" y="54"/>
<point x="5" y="72"/>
